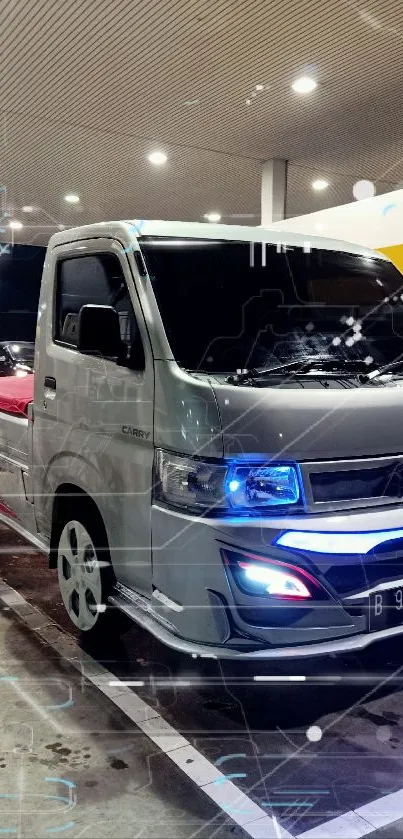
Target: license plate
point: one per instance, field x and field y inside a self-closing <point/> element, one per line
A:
<point x="385" y="609"/>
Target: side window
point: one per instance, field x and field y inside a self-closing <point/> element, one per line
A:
<point x="95" y="279"/>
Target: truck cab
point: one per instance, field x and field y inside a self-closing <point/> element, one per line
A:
<point x="213" y="445"/>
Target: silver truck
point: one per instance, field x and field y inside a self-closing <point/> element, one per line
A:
<point x="214" y="443"/>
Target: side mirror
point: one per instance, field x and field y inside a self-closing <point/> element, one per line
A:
<point x="98" y="331"/>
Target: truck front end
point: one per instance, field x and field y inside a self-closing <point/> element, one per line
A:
<point x="277" y="519"/>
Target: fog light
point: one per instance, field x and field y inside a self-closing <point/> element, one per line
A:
<point x="280" y="583"/>
<point x="257" y="575"/>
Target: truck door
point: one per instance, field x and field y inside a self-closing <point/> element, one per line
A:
<point x="93" y="424"/>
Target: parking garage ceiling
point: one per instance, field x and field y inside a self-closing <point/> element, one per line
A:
<point x="89" y="89"/>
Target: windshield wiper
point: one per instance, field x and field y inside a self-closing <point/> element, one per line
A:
<point x="256" y="372"/>
<point x="303" y="367"/>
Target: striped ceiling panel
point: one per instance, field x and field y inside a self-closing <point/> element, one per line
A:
<point x="89" y="88"/>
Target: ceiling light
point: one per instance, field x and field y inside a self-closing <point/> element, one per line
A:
<point x="320" y="184"/>
<point x="305" y="84"/>
<point x="158" y="158"/>
<point x="213" y="217"/>
<point x="15" y="225"/>
<point x="27" y="208"/>
<point x="72" y="198"/>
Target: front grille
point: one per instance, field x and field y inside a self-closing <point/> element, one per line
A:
<point x="356" y="483"/>
<point x="384" y="482"/>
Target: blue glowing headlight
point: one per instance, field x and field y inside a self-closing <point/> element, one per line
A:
<point x="218" y="488"/>
<point x="249" y="487"/>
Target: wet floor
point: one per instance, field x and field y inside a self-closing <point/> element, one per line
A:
<point x="306" y="751"/>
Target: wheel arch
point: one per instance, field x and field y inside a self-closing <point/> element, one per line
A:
<point x="63" y="496"/>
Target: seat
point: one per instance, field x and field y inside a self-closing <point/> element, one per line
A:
<point x="69" y="331"/>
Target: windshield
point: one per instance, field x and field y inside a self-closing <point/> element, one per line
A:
<point x="22" y="353"/>
<point x="234" y="305"/>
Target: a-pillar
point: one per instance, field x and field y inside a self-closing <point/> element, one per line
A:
<point x="274" y="191"/>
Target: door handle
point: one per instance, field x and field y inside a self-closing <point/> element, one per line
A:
<point x="50" y="383"/>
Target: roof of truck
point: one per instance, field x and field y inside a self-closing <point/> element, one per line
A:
<point x="124" y="230"/>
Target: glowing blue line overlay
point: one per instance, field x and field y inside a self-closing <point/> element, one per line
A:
<point x="223" y="758"/>
<point x="387" y="208"/>
<point x="60" y="828"/>
<point x="229" y="777"/>
<point x="67" y="704"/>
<point x="137" y="227"/>
<point x="336" y="543"/>
<point x="61" y="781"/>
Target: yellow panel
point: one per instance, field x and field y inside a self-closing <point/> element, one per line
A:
<point x="395" y="253"/>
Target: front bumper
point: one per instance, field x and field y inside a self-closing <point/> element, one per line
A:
<point x="197" y="650"/>
<point x="200" y="612"/>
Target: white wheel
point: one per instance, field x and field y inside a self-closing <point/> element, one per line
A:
<point x="80" y="576"/>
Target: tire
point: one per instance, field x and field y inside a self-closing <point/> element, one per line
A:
<point x="83" y="564"/>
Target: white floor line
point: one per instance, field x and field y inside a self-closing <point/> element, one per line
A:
<point x="229" y="798"/>
<point x="379" y="813"/>
<point x="347" y="826"/>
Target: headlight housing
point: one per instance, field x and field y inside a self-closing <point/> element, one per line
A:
<point x="216" y="487"/>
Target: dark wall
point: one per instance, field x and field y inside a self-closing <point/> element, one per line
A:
<point x="20" y="280"/>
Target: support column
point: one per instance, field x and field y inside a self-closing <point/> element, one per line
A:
<point x="274" y="191"/>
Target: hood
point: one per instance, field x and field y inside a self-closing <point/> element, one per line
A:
<point x="312" y="423"/>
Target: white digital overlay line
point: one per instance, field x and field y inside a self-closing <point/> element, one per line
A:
<point x="279" y="678"/>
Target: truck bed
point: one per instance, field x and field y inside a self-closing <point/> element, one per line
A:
<point x="16" y="394"/>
